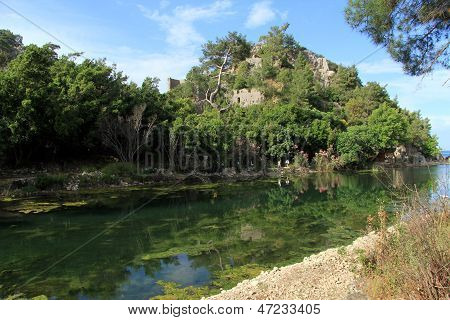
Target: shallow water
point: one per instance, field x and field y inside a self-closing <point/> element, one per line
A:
<point x="187" y="234"/>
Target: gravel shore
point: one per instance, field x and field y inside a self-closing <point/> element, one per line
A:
<point x="328" y="275"/>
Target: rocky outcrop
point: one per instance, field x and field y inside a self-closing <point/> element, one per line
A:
<point x="321" y="68"/>
<point x="254" y="62"/>
<point x="405" y="155"/>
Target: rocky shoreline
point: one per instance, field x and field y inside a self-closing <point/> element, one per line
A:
<point x="332" y="274"/>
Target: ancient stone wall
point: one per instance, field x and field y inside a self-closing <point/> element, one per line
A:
<point x="246" y="97"/>
<point x="172" y="83"/>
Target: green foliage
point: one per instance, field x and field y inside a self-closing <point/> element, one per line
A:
<point x="386" y="128"/>
<point x="389" y="126"/>
<point x="242" y="76"/>
<point x="83" y="93"/>
<point x="10" y="47"/>
<point x="55" y="108"/>
<point x="357" y="145"/>
<point x="214" y="52"/>
<point x="415" y="33"/>
<point x="302" y="87"/>
<point x="119" y="169"/>
<point x="301" y="160"/>
<point x="278" y="50"/>
<point x="50" y="181"/>
<point x="26" y="96"/>
<point x="418" y="134"/>
<point x="363" y="101"/>
<point x="343" y="83"/>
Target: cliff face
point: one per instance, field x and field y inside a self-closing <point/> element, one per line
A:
<point x="320" y="67"/>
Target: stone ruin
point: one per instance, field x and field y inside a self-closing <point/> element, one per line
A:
<point x="172" y="83"/>
<point x="247" y="97"/>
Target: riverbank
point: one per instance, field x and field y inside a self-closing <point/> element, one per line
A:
<point x="329" y="275"/>
<point x="43" y="182"/>
<point x="406" y="261"/>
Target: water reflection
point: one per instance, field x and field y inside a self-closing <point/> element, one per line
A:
<point x="185" y="236"/>
<point x="143" y="283"/>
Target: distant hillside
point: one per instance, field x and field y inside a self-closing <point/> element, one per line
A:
<point x="244" y="107"/>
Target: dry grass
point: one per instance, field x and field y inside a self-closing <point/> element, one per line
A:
<point x="412" y="261"/>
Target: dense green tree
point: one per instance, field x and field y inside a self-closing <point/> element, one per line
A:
<point x="85" y="92"/>
<point x="10" y="47"/>
<point x="389" y="125"/>
<point x="302" y="88"/>
<point x="277" y="50"/>
<point x="357" y="145"/>
<point x="343" y="83"/>
<point x="27" y="100"/>
<point x="242" y="79"/>
<point x="415" y="32"/>
<point x="364" y="100"/>
<point x="419" y="134"/>
<point x="218" y="58"/>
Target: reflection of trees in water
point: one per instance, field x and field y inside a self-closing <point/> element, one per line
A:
<point x="261" y="223"/>
<point x="326" y="181"/>
<point x="250" y="233"/>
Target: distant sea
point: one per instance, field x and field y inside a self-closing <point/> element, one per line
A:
<point x="445" y="154"/>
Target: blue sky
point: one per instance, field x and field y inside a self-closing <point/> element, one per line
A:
<point x="163" y="38"/>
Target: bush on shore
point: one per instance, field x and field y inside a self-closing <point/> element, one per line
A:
<point x="412" y="262"/>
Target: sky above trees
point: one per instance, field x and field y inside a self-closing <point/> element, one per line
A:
<point x="163" y="38"/>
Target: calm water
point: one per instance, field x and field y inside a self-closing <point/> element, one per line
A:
<point x="186" y="235"/>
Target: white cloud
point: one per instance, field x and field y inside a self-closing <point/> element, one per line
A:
<point x="262" y="13"/>
<point x="422" y="92"/>
<point x="160" y="65"/>
<point x="179" y="24"/>
<point x="164" y="4"/>
<point x="379" y="67"/>
<point x="182" y="36"/>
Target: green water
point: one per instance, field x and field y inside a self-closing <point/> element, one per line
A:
<point x="189" y="233"/>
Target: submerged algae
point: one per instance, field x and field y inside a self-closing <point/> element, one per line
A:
<point x="32" y="206"/>
<point x="223" y="280"/>
<point x="189" y="250"/>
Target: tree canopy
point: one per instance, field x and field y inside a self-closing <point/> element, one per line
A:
<point x="55" y="107"/>
<point x="10" y="47"/>
<point x="415" y="32"/>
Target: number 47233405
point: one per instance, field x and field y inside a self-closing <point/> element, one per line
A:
<point x="292" y="308"/>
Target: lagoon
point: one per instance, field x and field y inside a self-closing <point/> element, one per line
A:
<point x="191" y="235"/>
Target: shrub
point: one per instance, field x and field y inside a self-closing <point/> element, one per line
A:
<point x="119" y="169"/>
<point x="301" y="160"/>
<point x="325" y="161"/>
<point x="50" y="181"/>
<point x="412" y="262"/>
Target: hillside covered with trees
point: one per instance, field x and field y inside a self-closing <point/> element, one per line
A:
<point x="57" y="108"/>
